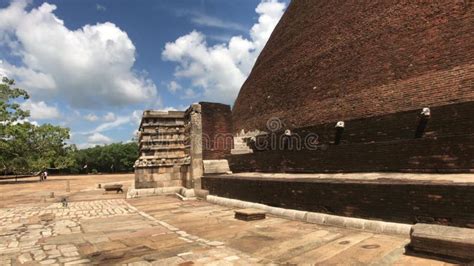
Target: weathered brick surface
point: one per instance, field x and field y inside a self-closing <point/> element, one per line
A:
<point x="217" y="138"/>
<point x="389" y="200"/>
<point x="382" y="143"/>
<point x="445" y="154"/>
<point x="446" y="120"/>
<point x="341" y="60"/>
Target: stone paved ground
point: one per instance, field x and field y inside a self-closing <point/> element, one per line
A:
<point x="107" y="229"/>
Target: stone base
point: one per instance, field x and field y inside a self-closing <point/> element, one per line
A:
<point x="156" y="177"/>
<point x="394" y="197"/>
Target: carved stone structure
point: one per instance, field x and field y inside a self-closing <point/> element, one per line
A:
<point x="164" y="154"/>
<point x="174" y="144"/>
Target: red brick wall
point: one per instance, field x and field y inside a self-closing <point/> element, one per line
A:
<point x="216" y="130"/>
<point x="382" y="143"/>
<point x="445" y="154"/>
<point x="348" y="59"/>
<point x="388" y="200"/>
<point x="446" y="120"/>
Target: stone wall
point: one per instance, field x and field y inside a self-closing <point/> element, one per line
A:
<point x="217" y="138"/>
<point x="342" y="60"/>
<point x="394" y="201"/>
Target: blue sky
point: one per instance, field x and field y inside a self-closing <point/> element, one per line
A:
<point x="94" y="66"/>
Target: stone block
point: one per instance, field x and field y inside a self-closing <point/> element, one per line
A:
<point x="442" y="240"/>
<point x="375" y="226"/>
<point x="354" y="223"/>
<point x="201" y="193"/>
<point x="250" y="214"/>
<point x="277" y="211"/>
<point x="316" y="218"/>
<point x="397" y="229"/>
<point x="216" y="166"/>
<point x="335" y="220"/>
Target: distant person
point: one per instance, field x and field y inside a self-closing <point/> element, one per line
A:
<point x="45" y="173"/>
<point x="41" y="176"/>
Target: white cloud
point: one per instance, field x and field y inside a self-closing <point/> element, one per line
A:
<point x="31" y="79"/>
<point x="213" y="22"/>
<point x="220" y="70"/>
<point x="190" y="94"/>
<point x="136" y="117"/>
<point x="120" y="120"/>
<point x="97" y="138"/>
<point x="90" y="66"/>
<point x="40" y="110"/>
<point x="91" y="117"/>
<point x="174" y="86"/>
<point x="26" y="120"/>
<point x="168" y="108"/>
<point x="100" y="7"/>
<point x="109" y="117"/>
<point x="82" y="146"/>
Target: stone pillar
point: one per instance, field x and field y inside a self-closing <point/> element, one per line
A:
<point x="195" y="135"/>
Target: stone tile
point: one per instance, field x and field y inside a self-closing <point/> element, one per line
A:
<point x="48" y="262"/>
<point x="23" y="258"/>
<point x="78" y="262"/>
<point x="168" y="261"/>
<point x="64" y="260"/>
<point x="105" y="246"/>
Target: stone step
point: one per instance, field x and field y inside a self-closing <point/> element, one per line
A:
<point x="450" y="241"/>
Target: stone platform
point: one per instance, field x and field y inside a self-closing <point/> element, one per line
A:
<point x="104" y="229"/>
<point x="393" y="197"/>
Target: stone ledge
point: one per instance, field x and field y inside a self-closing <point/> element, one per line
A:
<point x="318" y="218"/>
<point x="147" y="192"/>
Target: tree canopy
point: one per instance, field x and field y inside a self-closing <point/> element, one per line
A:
<point x="28" y="148"/>
<point x="116" y="157"/>
<point x="25" y="147"/>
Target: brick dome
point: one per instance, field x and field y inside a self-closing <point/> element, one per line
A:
<point x="339" y="60"/>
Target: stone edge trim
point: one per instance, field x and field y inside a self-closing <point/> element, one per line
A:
<point x="147" y="192"/>
<point x="318" y="218"/>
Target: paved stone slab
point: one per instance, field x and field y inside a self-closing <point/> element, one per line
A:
<point x="164" y="230"/>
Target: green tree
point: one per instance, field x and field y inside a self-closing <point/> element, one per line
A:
<point x="24" y="147"/>
<point x="10" y="111"/>
<point x="116" y="157"/>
